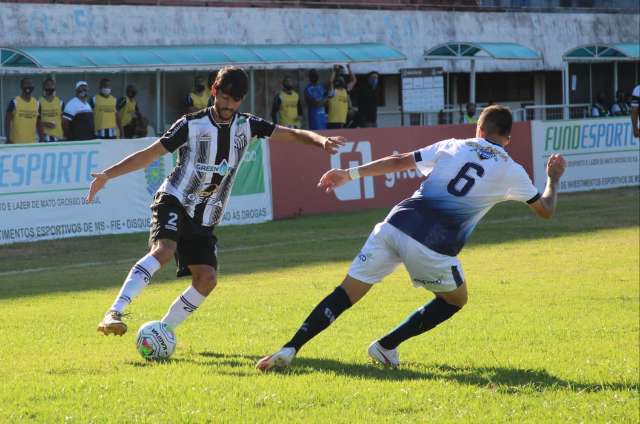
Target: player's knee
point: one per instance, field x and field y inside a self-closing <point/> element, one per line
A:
<point x="204" y="282"/>
<point x="163" y="251"/>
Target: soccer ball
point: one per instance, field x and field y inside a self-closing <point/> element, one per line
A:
<point x="155" y="340"/>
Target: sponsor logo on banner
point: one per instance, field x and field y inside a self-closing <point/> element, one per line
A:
<point x="356" y="153"/>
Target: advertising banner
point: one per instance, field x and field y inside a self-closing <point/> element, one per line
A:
<point x="296" y="169"/>
<point x="600" y="153"/>
<point x="43" y="186"/>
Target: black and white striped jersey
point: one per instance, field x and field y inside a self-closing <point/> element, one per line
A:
<point x="208" y="159"/>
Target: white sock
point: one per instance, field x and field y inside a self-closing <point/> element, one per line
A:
<point x="183" y="306"/>
<point x="136" y="280"/>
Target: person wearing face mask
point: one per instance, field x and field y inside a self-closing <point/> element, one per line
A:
<point x="198" y="98"/>
<point x="22" y="118"/>
<point x="287" y="108"/>
<point x="315" y="96"/>
<point x="51" y="107"/>
<point x="107" y="121"/>
<point x="339" y="102"/>
<point x="368" y="102"/>
<point x="128" y="112"/>
<point x="77" y="118"/>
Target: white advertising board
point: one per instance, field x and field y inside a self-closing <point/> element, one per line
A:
<point x="422" y="90"/>
<point x="42" y="190"/>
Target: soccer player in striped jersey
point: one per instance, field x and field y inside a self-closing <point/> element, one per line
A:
<point x="190" y="203"/>
<point x="465" y="179"/>
<point x="635" y="111"/>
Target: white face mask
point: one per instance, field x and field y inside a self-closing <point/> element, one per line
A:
<point x="105" y="91"/>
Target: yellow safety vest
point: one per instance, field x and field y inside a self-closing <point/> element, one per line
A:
<point x="25" y="118"/>
<point x="288" y="113"/>
<point x="200" y="101"/>
<point x="339" y="106"/>
<point x="127" y="112"/>
<point x="470" y="119"/>
<point x="51" y="111"/>
<point x="104" y="112"/>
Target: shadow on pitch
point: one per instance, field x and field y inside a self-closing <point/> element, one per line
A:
<point x="500" y="379"/>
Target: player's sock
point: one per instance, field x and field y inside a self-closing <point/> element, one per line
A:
<point x="422" y="320"/>
<point x="183" y="306"/>
<point x="321" y="317"/>
<point x="136" y="280"/>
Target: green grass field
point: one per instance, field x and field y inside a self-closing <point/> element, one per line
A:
<point x="550" y="334"/>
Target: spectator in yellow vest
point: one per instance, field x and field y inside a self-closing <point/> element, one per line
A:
<point x="470" y="114"/>
<point x="287" y="108"/>
<point x="22" y="119"/>
<point x="107" y="121"/>
<point x="339" y="103"/>
<point x="51" y="107"/>
<point x="128" y="112"/>
<point x="198" y="98"/>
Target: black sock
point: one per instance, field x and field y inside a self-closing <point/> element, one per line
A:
<point x="321" y="317"/>
<point x="422" y="320"/>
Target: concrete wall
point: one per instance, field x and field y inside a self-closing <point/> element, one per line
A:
<point x="408" y="31"/>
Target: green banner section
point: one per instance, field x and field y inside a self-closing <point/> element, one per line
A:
<point x="250" y="177"/>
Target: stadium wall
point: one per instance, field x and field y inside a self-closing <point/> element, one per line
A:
<point x="411" y="32"/>
<point x="295" y="170"/>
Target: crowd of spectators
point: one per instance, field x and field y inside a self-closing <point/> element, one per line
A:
<point x="83" y="117"/>
<point x="620" y="106"/>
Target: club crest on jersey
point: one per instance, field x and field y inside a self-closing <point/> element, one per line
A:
<point x="221" y="168"/>
<point x="240" y="141"/>
<point x="486" y="152"/>
<point x="204" y="138"/>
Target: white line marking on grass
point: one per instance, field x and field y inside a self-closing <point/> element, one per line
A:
<point x="286" y="243"/>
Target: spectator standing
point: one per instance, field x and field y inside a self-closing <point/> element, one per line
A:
<point x="51" y="107"/>
<point x="287" y="108"/>
<point x="199" y="98"/>
<point x="469" y="116"/>
<point x="367" y="99"/>
<point x="315" y="96"/>
<point x="339" y="102"/>
<point x="22" y="119"/>
<point x="77" y="118"/>
<point x="107" y="121"/>
<point x="128" y="112"/>
<point x="635" y="111"/>
<point x="619" y="107"/>
<point x="598" y="109"/>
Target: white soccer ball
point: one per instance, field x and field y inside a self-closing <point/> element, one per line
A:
<point x="155" y="340"/>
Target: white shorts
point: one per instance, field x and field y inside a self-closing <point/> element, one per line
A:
<point x="387" y="247"/>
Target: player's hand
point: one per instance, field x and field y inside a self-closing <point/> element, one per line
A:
<point x="333" y="179"/>
<point x="556" y="166"/>
<point x="331" y="144"/>
<point x="98" y="182"/>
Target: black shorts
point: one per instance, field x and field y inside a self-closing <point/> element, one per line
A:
<point x="196" y="243"/>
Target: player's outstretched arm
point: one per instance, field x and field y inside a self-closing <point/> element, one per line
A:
<point x="328" y="144"/>
<point x="138" y="160"/>
<point x="545" y="206"/>
<point x="394" y="163"/>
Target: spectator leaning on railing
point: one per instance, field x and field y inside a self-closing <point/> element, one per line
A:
<point x="51" y="107"/>
<point x="22" y="119"/>
<point x="635" y="111"/>
<point x="77" y="118"/>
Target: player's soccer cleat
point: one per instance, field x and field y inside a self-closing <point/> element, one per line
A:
<point x="386" y="357"/>
<point x="112" y="324"/>
<point x="280" y="359"/>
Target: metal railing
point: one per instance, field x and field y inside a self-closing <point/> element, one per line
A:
<point x="552" y="112"/>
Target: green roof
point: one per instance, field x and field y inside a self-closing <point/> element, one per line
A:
<point x="464" y="50"/>
<point x="604" y="52"/>
<point x="191" y="57"/>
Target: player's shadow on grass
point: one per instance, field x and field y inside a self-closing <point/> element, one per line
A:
<point x="499" y="379"/>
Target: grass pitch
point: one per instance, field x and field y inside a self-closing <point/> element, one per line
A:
<point x="550" y="334"/>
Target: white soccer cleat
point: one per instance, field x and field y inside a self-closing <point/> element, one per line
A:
<point x="281" y="359"/>
<point x="112" y="324"/>
<point x="386" y="357"/>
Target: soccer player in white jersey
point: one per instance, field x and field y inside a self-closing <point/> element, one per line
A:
<point x="465" y="178"/>
<point x="635" y="111"/>
<point x="191" y="201"/>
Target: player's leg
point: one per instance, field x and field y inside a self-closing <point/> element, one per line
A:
<point x="374" y="262"/>
<point x="203" y="281"/>
<point x="196" y="255"/>
<point x="166" y="223"/>
<point x="438" y="273"/>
